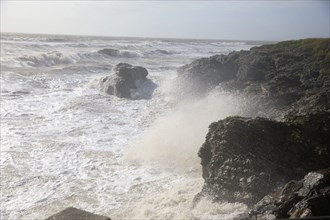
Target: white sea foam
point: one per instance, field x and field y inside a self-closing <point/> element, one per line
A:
<point x="64" y="143"/>
<point x="162" y="143"/>
<point x="47" y="59"/>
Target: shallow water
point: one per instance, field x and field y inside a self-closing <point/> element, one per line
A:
<point x="65" y="143"/>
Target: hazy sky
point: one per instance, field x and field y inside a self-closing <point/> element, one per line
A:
<point x="240" y="20"/>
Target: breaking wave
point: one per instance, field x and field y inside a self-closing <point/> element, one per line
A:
<point x="161" y="52"/>
<point x="119" y="53"/>
<point x="56" y="40"/>
<point x="47" y="59"/>
<point x="55" y="58"/>
<point x="98" y="152"/>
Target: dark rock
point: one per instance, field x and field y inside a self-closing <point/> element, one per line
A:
<point x="280" y="75"/>
<point x="244" y="159"/>
<point x="204" y="74"/>
<point x="117" y="53"/>
<point x="75" y="214"/>
<point x="128" y="81"/>
<point x="109" y="52"/>
<point x="298" y="199"/>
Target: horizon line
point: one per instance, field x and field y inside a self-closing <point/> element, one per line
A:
<point x="136" y="37"/>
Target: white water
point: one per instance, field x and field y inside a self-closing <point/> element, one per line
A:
<point x="65" y="143"/>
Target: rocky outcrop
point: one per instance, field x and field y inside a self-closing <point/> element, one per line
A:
<point x="244" y="159"/>
<point x="279" y="75"/>
<point x="73" y="213"/>
<point x="127" y="81"/>
<point x="204" y="74"/>
<point x="297" y="199"/>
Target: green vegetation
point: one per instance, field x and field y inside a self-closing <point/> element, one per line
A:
<point x="315" y="52"/>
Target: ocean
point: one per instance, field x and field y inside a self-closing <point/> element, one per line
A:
<point x="65" y="143"/>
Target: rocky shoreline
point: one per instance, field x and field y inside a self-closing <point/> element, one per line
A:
<point x="297" y="199"/>
<point x="277" y="161"/>
<point x="245" y="159"/>
<point x="290" y="76"/>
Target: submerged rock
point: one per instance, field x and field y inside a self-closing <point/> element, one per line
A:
<point x="109" y="52"/>
<point x="127" y="81"/>
<point x="73" y="213"/>
<point x="117" y="53"/>
<point x="244" y="159"/>
<point x="297" y="199"/>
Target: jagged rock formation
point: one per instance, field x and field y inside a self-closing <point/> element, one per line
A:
<point x="279" y="75"/>
<point x="297" y="199"/>
<point x="73" y="213"/>
<point x="245" y="159"/>
<point x="127" y="81"/>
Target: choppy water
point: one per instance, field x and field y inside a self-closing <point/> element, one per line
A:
<point x="65" y="143"/>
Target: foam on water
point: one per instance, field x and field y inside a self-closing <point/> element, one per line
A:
<point x="65" y="143"/>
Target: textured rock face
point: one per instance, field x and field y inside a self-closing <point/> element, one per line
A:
<point x="127" y="81"/>
<point x="204" y="74"/>
<point x="280" y="75"/>
<point x="73" y="213"/>
<point x="297" y="199"/>
<point x="244" y="159"/>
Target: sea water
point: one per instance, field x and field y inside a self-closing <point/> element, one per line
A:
<point x="65" y="143"/>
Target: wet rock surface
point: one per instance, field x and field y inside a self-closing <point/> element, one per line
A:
<point x="127" y="81"/>
<point x="75" y="214"/>
<point x="307" y="197"/>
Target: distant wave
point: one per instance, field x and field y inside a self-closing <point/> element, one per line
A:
<point x="229" y="43"/>
<point x="162" y="52"/>
<point x="47" y="59"/>
<point x="79" y="45"/>
<point x="55" y="40"/>
<point x="119" y="53"/>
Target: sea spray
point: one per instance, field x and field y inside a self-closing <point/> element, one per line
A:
<point x="175" y="203"/>
<point x="174" y="138"/>
<point x="170" y="145"/>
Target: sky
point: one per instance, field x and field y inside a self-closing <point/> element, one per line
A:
<point x="234" y="20"/>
